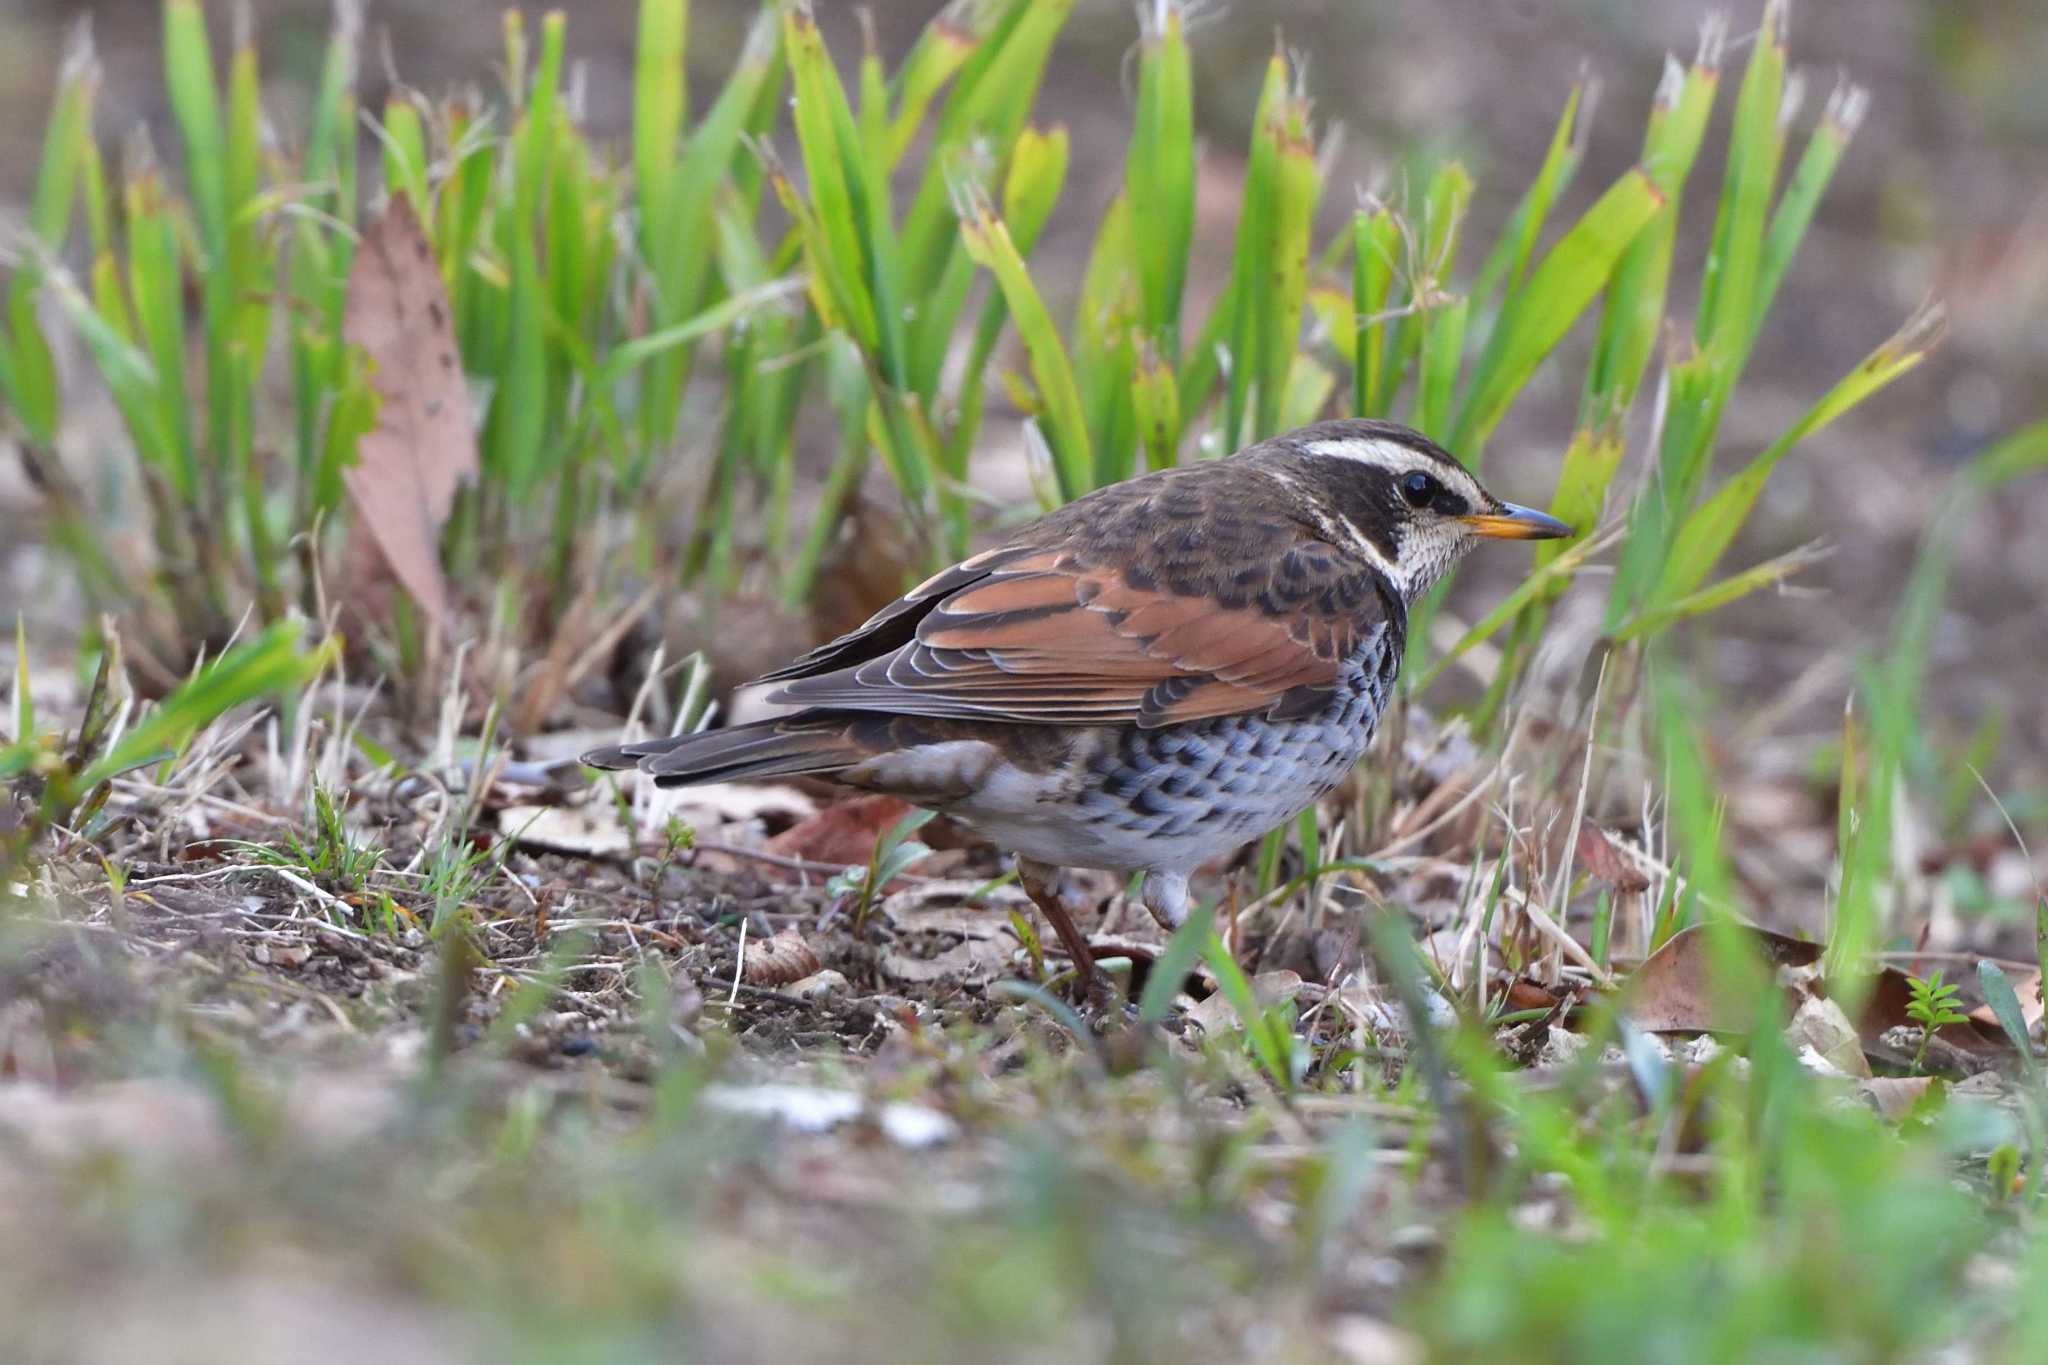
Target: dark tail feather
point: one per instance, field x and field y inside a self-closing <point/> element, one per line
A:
<point x="769" y="748"/>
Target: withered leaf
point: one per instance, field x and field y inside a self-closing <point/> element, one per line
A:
<point x="1890" y="991"/>
<point x="423" y="448"/>
<point x="780" y="960"/>
<point x="944" y="936"/>
<point x="844" y="832"/>
<point x="2026" y="986"/>
<point x="1671" y="992"/>
<point x="1820" y="1024"/>
<point x="1608" y="861"/>
<point x="1896" y="1098"/>
<point x="1216" y="1014"/>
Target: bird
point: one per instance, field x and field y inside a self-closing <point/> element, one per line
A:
<point x="1142" y="680"/>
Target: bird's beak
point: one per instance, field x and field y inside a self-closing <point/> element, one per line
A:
<point x="1517" y="523"/>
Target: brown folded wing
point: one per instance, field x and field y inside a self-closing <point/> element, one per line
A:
<point x="1040" y="635"/>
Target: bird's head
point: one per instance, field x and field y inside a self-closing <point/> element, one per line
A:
<point x="1395" y="497"/>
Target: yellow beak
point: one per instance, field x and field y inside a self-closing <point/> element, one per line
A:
<point x="1517" y="523"/>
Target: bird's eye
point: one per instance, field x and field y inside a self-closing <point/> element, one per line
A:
<point x="1419" y="489"/>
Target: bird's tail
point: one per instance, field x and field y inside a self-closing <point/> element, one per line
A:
<point x="769" y="748"/>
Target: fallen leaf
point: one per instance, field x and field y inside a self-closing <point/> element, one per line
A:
<point x="2026" y="986"/>
<point x="818" y="985"/>
<point x="717" y="804"/>
<point x="1895" y="1097"/>
<point x="592" y="831"/>
<point x="423" y="448"/>
<point x="1671" y="992"/>
<point x="780" y="960"/>
<point x="1524" y="994"/>
<point x="1215" y="1013"/>
<point x="970" y="961"/>
<point x="1609" y="861"/>
<point x="1891" y="989"/>
<point x="944" y="935"/>
<point x="1820" y="1024"/>
<point x="841" y="833"/>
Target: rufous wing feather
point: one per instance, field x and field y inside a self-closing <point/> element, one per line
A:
<point x="1048" y="635"/>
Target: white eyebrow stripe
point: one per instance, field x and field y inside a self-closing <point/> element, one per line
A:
<point x="1386" y="454"/>
<point x="1401" y="459"/>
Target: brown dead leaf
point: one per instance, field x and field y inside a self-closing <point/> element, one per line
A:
<point x="1608" y="861"/>
<point x="819" y="985"/>
<point x="780" y="960"/>
<point x="2026" y="985"/>
<point x="1670" y="992"/>
<point x="1895" y="1097"/>
<point x="1215" y="1012"/>
<point x="944" y="936"/>
<point x="1890" y="990"/>
<point x="1820" y="1024"/>
<point x="841" y="833"/>
<point x="1523" y="994"/>
<point x="592" y="831"/>
<point x="423" y="448"/>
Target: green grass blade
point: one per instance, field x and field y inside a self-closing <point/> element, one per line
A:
<point x="1589" y="466"/>
<point x="819" y="102"/>
<point x="983" y="115"/>
<point x="1505" y="264"/>
<point x="1705" y="535"/>
<point x="1242" y="303"/>
<point x="1716" y="595"/>
<point x="273" y="664"/>
<point x="24" y="704"/>
<point x="1756" y="144"/>
<point x="29" y="383"/>
<point x="988" y="242"/>
<point x="1443" y="352"/>
<point x="2023" y="452"/>
<point x="1633" y="318"/>
<point x="659" y="98"/>
<point x="628" y="357"/>
<point x="1560" y="288"/>
<point x="1376" y="250"/>
<point x="1280" y="274"/>
<point x="1155" y="402"/>
<point x="195" y="102"/>
<point x="404" y="137"/>
<point x="1534" y="588"/>
<point x="942" y="49"/>
<point x="1159" y="172"/>
<point x="1844" y="114"/>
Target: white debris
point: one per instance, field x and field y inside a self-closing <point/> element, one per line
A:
<point x="813" y="1109"/>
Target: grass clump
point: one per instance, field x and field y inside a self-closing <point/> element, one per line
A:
<point x="585" y="290"/>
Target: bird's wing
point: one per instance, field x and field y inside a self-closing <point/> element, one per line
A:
<point x="1049" y="635"/>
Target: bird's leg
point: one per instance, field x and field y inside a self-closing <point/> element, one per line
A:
<point x="1047" y="886"/>
<point x="1166" y="897"/>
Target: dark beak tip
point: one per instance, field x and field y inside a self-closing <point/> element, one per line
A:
<point x="1515" y="522"/>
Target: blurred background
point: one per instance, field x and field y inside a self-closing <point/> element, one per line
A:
<point x="1941" y="195"/>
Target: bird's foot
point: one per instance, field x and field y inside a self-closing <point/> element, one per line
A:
<point x="1165" y="897"/>
<point x="1058" y="900"/>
